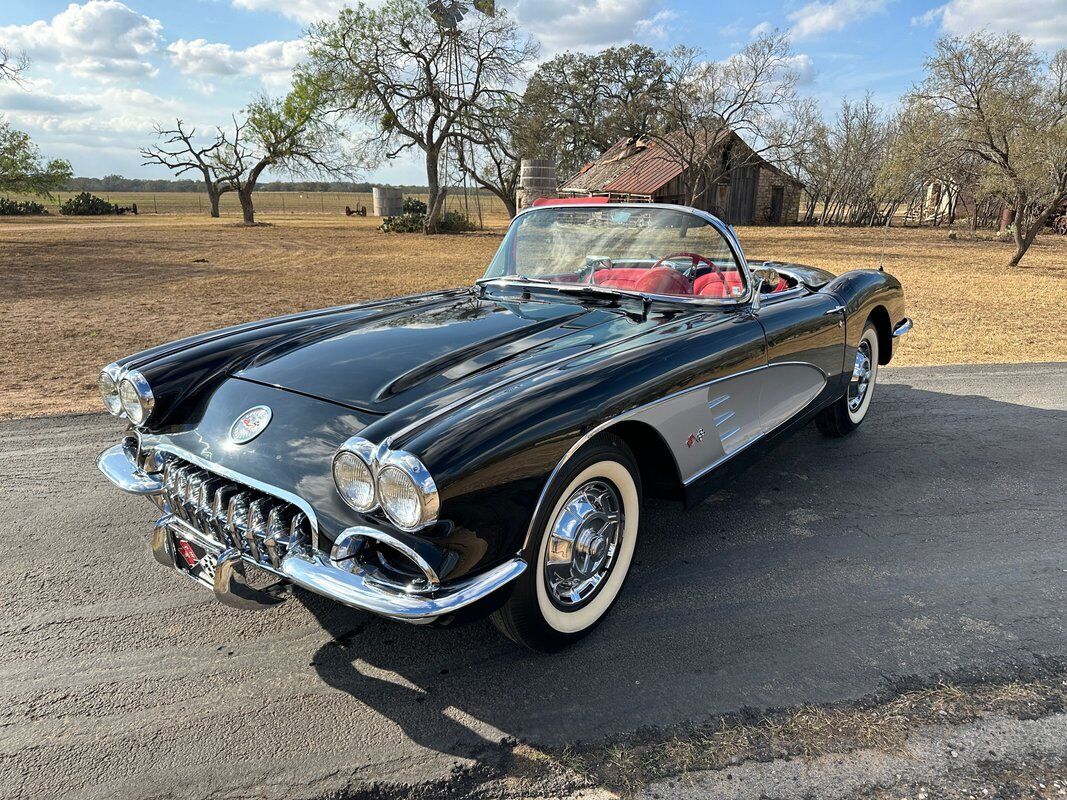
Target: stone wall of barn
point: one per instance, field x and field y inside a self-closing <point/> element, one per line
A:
<point x="769" y="180"/>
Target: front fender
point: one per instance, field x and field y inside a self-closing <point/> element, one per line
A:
<point x="862" y="292"/>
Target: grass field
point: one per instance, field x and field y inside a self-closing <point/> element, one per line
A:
<point x="269" y="203"/>
<point x="78" y="293"/>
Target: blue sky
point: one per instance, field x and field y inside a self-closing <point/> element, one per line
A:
<point x="105" y="70"/>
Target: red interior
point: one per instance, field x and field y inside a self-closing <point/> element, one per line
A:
<point x="666" y="280"/>
<point x="662" y="280"/>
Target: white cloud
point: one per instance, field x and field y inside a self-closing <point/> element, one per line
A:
<point x="587" y="24"/>
<point x="804" y="66"/>
<point x="1043" y="21"/>
<point x="659" y="26"/>
<point x="759" y="30"/>
<point x="103" y="38"/>
<point x="303" y="11"/>
<point x="272" y="62"/>
<point x="823" y="17"/>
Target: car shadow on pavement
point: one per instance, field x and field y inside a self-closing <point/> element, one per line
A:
<point x="930" y="539"/>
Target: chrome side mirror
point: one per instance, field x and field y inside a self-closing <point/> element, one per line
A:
<point x="767" y="275"/>
<point x="760" y="276"/>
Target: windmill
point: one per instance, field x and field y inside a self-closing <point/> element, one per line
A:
<point x="448" y="14"/>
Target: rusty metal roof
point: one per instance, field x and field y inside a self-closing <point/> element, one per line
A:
<point x="634" y="168"/>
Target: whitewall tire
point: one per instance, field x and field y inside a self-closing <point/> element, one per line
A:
<point x="581" y="550"/>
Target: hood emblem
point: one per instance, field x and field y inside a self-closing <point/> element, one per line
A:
<point x="250" y="424"/>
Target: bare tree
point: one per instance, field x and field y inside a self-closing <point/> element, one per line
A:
<point x="488" y="153"/>
<point x="179" y="152"/>
<point x="416" y="81"/>
<point x="753" y="95"/>
<point x="21" y="167"/>
<point x="12" y="64"/>
<point x="293" y="134"/>
<point x="1006" y="106"/>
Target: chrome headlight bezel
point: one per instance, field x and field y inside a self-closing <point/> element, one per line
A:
<point x="108" y="384"/>
<point x="365" y="451"/>
<point x="138" y="413"/>
<point x="380" y="459"/>
<point x="429" y="501"/>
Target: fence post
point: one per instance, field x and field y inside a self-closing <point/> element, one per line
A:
<point x="155" y="208"/>
<point x="283" y="201"/>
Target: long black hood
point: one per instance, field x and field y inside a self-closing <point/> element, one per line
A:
<point x="383" y="362"/>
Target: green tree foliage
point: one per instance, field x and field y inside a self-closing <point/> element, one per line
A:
<point x="21" y="169"/>
<point x="418" y="84"/>
<point x="577" y="105"/>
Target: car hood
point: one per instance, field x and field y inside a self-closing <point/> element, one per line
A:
<point x="444" y="343"/>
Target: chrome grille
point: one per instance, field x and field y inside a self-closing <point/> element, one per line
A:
<point x="233" y="515"/>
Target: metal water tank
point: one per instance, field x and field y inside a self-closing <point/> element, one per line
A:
<point x="538" y="179"/>
<point x="388" y="201"/>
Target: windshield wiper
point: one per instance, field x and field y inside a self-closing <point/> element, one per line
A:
<point x="588" y="290"/>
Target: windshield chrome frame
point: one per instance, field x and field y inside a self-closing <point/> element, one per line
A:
<point x="724" y="230"/>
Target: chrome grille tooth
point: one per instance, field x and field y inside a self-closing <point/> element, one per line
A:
<point x="298" y="530"/>
<point x="277" y="539"/>
<point x="258" y="512"/>
<point x="204" y="499"/>
<point x="237" y="519"/>
<point x="191" y="495"/>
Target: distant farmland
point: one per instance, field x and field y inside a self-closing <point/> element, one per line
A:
<point x="271" y="203"/>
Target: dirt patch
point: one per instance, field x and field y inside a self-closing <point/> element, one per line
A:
<point x="78" y="293"/>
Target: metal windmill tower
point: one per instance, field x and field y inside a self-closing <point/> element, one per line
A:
<point x="448" y="14"/>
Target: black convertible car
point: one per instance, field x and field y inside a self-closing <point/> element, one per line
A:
<point x="486" y="449"/>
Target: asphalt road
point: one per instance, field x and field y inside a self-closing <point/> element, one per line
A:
<point x="934" y="539"/>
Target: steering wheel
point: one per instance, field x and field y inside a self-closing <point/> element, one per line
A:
<point x="696" y="258"/>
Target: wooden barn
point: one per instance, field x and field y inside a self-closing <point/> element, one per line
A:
<point x="754" y="192"/>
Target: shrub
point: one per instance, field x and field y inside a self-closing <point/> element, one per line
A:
<point x="405" y="223"/>
<point x="413" y="220"/>
<point x="412" y="205"/>
<point x="24" y="208"/>
<point x="88" y="205"/>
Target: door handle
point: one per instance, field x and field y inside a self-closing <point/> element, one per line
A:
<point x="834" y="310"/>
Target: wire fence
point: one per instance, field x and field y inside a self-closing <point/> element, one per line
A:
<point x="271" y="203"/>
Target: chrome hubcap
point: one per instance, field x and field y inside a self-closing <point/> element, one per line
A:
<point x="582" y="544"/>
<point x="862" y="374"/>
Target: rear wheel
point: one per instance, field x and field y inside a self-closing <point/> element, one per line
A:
<point x="845" y="415"/>
<point x="580" y="554"/>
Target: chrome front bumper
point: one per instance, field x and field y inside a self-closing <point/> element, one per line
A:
<point x="334" y="575"/>
<point x="903" y="327"/>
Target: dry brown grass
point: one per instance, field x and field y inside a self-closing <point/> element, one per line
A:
<point x="77" y="293"/>
<point x="630" y="764"/>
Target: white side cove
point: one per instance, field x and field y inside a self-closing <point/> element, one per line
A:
<point x="706" y="425"/>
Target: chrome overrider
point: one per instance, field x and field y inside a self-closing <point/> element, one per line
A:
<point x="338" y="575"/>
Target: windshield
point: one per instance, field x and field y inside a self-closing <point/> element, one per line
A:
<point x="659" y="251"/>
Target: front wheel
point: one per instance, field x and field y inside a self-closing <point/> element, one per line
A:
<point x="580" y="553"/>
<point x="845" y="415"/>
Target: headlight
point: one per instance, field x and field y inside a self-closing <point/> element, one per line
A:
<point x="136" y="397"/>
<point x="407" y="492"/>
<point x="353" y="476"/>
<point x="109" y="389"/>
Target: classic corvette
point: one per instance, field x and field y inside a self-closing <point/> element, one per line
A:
<point x="486" y="450"/>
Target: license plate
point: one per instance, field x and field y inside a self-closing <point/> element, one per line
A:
<point x="195" y="560"/>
